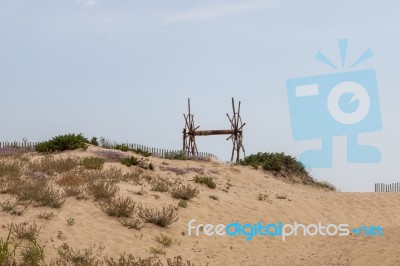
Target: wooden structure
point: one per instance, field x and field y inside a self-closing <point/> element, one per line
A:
<point x="394" y="187"/>
<point x="236" y="133"/>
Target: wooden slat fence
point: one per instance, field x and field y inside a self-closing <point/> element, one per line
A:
<point x="154" y="151"/>
<point x="381" y="187"/>
<point x="19" y="145"/>
<point x="161" y="152"/>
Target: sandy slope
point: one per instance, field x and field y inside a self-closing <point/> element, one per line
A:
<point x="303" y="204"/>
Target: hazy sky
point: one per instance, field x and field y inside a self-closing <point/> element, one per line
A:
<point x="124" y="70"/>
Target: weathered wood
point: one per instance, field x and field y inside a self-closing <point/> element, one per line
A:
<point x="236" y="134"/>
<point x="213" y="132"/>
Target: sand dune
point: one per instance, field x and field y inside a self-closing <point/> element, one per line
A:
<point x="237" y="189"/>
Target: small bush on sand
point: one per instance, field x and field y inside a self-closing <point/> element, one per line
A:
<point x="8" y="205"/>
<point x="50" y="165"/>
<point x="74" y="178"/>
<point x="94" y="141"/>
<point x="13" y="151"/>
<point x="70" y="256"/>
<point x="41" y="194"/>
<point x="159" y="185"/>
<point x="130" y="260"/>
<point x="26" y="230"/>
<point x="176" y="155"/>
<point x="10" y="168"/>
<point x="112" y="174"/>
<point x="142" y="152"/>
<point x="132" y="223"/>
<point x="111" y="155"/>
<point x="8" y="249"/>
<point x="182" y="203"/>
<point x="119" y="207"/>
<point x="263" y="197"/>
<point x="77" y="192"/>
<point x="185" y="192"/>
<point x="125" y="148"/>
<point x="275" y="162"/>
<point x="178" y="261"/>
<point x="158" y="250"/>
<point x="33" y="254"/>
<point x="45" y="215"/>
<point x="102" y="190"/>
<point x="164" y="217"/>
<point x="11" y="205"/>
<point x="281" y="196"/>
<point x="63" y="143"/>
<point x="129" y="161"/>
<point x="325" y="185"/>
<point x="207" y="180"/>
<point x="214" y="197"/>
<point x="93" y="163"/>
<point x="164" y="240"/>
<point x="121" y="147"/>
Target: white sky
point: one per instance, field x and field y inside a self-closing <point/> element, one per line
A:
<point x="124" y="70"/>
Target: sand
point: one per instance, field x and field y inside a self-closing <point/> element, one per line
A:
<point x="303" y="204"/>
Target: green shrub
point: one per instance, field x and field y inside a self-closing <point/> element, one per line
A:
<point x="157" y="250"/>
<point x="207" y="180"/>
<point x="274" y="162"/>
<point x="176" y="155"/>
<point x="33" y="254"/>
<point x="63" y="143"/>
<point x="94" y="141"/>
<point x="129" y="161"/>
<point x="93" y="163"/>
<point x="121" y="147"/>
<point x="325" y="185"/>
<point x="141" y="152"/>
<point x="182" y="203"/>
<point x="8" y="249"/>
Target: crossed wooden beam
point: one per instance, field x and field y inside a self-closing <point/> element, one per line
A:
<point x="236" y="133"/>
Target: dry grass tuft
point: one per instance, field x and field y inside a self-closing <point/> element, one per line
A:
<point x="119" y="207"/>
<point x="185" y="192"/>
<point x="132" y="223"/>
<point x="160" y="185"/>
<point x="26" y="230"/>
<point x="102" y="190"/>
<point x="164" y="217"/>
<point x="51" y="165"/>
